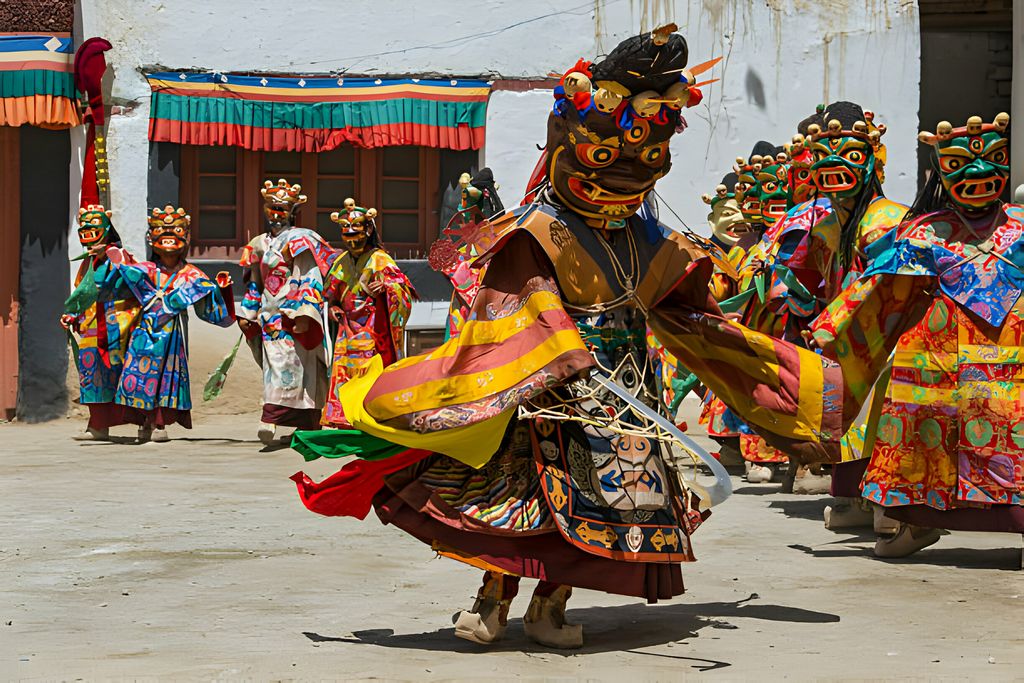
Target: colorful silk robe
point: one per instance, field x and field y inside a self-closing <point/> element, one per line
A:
<point x="537" y="497"/>
<point x="951" y="432"/>
<point x="370" y="324"/>
<point x="802" y="276"/>
<point x="105" y="328"/>
<point x="285" y="282"/>
<point x="156" y="365"/>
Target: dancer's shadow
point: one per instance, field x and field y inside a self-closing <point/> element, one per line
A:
<point x="758" y="489"/>
<point x="607" y="629"/>
<point x="812" y="508"/>
<point x="1003" y="559"/>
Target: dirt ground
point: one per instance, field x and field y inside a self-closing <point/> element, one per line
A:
<point x="196" y="560"/>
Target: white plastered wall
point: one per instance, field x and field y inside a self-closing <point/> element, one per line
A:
<point x="781" y="58"/>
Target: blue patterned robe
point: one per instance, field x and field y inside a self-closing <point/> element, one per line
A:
<point x="155" y="371"/>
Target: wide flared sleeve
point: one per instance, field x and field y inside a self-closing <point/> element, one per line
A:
<point x="457" y="399"/>
<point x="862" y="326"/>
<point x="217" y="306"/>
<point x="791" y="396"/>
<point x="305" y="297"/>
<point x="398" y="294"/>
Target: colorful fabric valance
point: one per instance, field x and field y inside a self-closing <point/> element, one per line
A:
<point x="315" y="114"/>
<point x="37" y="85"/>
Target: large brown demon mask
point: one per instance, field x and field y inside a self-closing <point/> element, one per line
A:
<point x="609" y="132"/>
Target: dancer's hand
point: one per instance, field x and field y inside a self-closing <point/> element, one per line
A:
<point x="224" y="279"/>
<point x="808" y="336"/>
<point x="301" y="325"/>
<point x="375" y="286"/>
<point x="67" y="321"/>
<point x="336" y="313"/>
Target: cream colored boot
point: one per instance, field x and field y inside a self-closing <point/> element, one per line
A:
<point x="907" y="541"/>
<point x="848" y="513"/>
<point x="91" y="434"/>
<point x="486" y="622"/>
<point x="267" y="433"/>
<point x="545" y="622"/>
<point x="884" y="526"/>
<point x="759" y="474"/>
<point x="807" y="482"/>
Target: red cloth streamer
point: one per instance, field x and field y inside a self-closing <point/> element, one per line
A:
<point x="90" y="64"/>
<point x="350" y="491"/>
<point x="539" y="175"/>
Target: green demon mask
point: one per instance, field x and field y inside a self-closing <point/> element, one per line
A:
<point x="973" y="161"/>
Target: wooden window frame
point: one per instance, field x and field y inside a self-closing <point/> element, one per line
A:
<point x="368" y="183"/>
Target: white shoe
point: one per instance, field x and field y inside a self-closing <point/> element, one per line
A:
<point x="267" y="433"/>
<point x="545" y="622"/>
<point x="848" y="513"/>
<point x="145" y="434"/>
<point x="907" y="541"/>
<point x="807" y="483"/>
<point x="884" y="526"/>
<point x="483" y="627"/>
<point x="91" y="434"/>
<point x="759" y="474"/>
<point x="160" y="436"/>
<point x="486" y="622"/>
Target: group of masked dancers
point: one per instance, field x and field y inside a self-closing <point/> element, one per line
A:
<point x="822" y="323"/>
<point x="131" y="335"/>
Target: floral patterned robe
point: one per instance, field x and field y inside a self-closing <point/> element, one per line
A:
<point x="285" y="283"/>
<point x="369" y="325"/>
<point x="105" y="328"/>
<point x="155" y="372"/>
<point x="951" y="432"/>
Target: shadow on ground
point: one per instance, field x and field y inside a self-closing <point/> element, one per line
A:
<point x="607" y="629"/>
<point x="811" y="507"/>
<point x="1003" y="559"/>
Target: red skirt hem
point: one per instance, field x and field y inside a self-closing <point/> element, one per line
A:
<point x="544" y="556"/>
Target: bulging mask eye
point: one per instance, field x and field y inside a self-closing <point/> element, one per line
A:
<point x="854" y="156"/>
<point x="654" y="156"/>
<point x="638" y="133"/>
<point x="596" y="156"/>
<point x="949" y="164"/>
<point x="999" y="156"/>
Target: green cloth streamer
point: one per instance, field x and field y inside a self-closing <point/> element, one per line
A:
<point x="85" y="294"/>
<point x="215" y="383"/>
<point x="734" y="304"/>
<point x="341" y="443"/>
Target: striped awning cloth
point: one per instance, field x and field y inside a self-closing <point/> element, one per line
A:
<point x="37" y="85"/>
<point x="315" y="114"/>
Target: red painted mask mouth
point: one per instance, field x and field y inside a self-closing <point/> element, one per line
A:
<point x="595" y="194"/>
<point x="774" y="209"/>
<point x="835" y="179"/>
<point x="751" y="207"/>
<point x="89" y="237"/>
<point x="168" y="243"/>
<point x="978" y="191"/>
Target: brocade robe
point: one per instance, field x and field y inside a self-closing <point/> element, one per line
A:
<point x="285" y="282"/>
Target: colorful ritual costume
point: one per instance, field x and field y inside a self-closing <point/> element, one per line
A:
<point x="104" y="328"/>
<point x="154" y="384"/>
<point x="368" y="324"/>
<point x="818" y="245"/>
<point x="486" y="448"/>
<point x="535" y="497"/>
<point x="284" y="284"/>
<point x="949" y="450"/>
